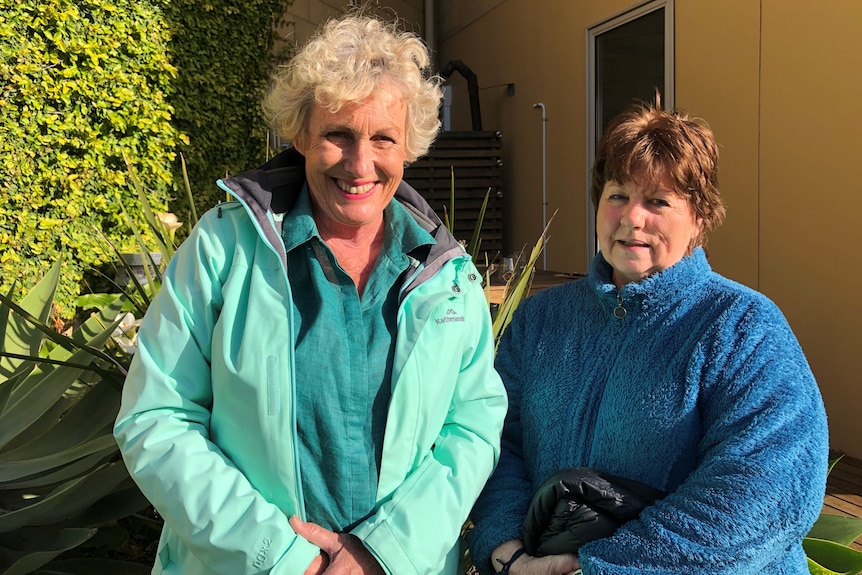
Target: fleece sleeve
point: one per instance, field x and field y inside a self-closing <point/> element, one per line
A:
<point x="214" y="516"/>
<point x="500" y="509"/>
<point x="759" y="483"/>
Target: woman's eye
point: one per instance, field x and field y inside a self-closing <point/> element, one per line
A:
<point x="661" y="203"/>
<point x="385" y="139"/>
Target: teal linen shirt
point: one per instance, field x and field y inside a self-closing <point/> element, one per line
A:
<point x="344" y="351"/>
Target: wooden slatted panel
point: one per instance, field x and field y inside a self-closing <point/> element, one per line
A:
<point x="475" y="159"/>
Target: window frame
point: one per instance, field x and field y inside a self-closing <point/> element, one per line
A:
<point x="592" y="33"/>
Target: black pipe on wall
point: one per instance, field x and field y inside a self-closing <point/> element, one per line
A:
<point x="472" y="89"/>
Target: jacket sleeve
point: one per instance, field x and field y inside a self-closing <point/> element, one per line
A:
<point x="163" y="425"/>
<point x="760" y="480"/>
<point x="500" y="510"/>
<point x="418" y="524"/>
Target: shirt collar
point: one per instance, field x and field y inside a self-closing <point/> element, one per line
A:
<point x="299" y="225"/>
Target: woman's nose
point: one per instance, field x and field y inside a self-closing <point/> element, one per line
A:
<point x="633" y="215"/>
<point x="359" y="161"/>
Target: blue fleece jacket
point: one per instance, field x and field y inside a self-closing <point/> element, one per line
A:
<point x="700" y="390"/>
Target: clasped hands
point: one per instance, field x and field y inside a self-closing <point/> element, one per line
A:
<point x="528" y="565"/>
<point x="342" y="553"/>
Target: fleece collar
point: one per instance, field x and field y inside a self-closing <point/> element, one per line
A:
<point x="662" y="287"/>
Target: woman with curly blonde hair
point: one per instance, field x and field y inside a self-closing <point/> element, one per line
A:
<point x="314" y="389"/>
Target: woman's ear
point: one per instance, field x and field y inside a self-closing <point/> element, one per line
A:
<point x="299" y="143"/>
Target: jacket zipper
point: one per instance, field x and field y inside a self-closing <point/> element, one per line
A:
<point x="300" y="497"/>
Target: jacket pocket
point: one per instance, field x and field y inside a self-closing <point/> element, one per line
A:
<point x="273" y="389"/>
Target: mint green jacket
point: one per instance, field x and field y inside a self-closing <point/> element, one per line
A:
<point x="207" y="425"/>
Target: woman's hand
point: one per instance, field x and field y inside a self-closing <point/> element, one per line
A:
<point x="343" y="553"/>
<point x="529" y="565"/>
<point x="549" y="565"/>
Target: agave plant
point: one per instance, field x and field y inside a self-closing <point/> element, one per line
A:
<point x="62" y="480"/>
<point x="828" y="543"/>
<point x="61" y="475"/>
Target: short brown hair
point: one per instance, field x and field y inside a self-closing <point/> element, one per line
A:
<point x="648" y="145"/>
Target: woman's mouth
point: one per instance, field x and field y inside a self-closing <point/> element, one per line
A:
<point x="354" y="190"/>
<point x="633" y="244"/>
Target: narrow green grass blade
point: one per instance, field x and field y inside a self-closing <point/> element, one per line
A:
<point x="476" y="241"/>
<point x="192" y="209"/>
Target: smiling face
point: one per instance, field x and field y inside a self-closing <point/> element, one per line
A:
<point x="643" y="231"/>
<point x="354" y="160"/>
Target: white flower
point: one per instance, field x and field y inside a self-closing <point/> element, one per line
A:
<point x="170" y="222"/>
<point x="125" y="335"/>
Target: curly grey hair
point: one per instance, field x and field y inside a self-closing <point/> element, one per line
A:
<point x="343" y="63"/>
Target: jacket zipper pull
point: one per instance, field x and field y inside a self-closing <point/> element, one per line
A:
<point x="620" y="310"/>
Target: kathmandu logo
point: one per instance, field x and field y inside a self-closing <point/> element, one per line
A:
<point x="451" y="315"/>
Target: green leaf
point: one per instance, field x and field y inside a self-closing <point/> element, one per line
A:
<point x="13" y="470"/>
<point x="189" y="196"/>
<point x="59" y="475"/>
<point x="49" y="544"/>
<point x="66" y="500"/>
<point x="95" y="300"/>
<point x="8" y="386"/>
<point x="44" y="387"/>
<point x="832" y="463"/>
<point x="165" y="245"/>
<point x="76" y="424"/>
<point x="815" y="569"/>
<point x="518" y="287"/>
<point x="126" y="499"/>
<point x="60" y="339"/>
<point x="21" y="336"/>
<point x="88" y="566"/>
<point x="475" y="241"/>
<point x="837" y="528"/>
<point x="835" y="557"/>
<point x="450" y="214"/>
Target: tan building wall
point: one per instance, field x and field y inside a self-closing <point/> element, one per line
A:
<point x="777" y="82"/>
<point x="304" y="16"/>
<point x="811" y="190"/>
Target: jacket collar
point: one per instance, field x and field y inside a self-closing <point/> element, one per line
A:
<point x="274" y="187"/>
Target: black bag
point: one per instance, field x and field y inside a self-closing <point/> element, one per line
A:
<point x="580" y="504"/>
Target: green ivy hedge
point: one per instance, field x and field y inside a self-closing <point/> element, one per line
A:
<point x="224" y="54"/>
<point x="85" y="82"/>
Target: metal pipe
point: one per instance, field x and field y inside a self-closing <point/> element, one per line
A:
<point x="472" y="89"/>
<point x="430" y="32"/>
<point x="544" y="179"/>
